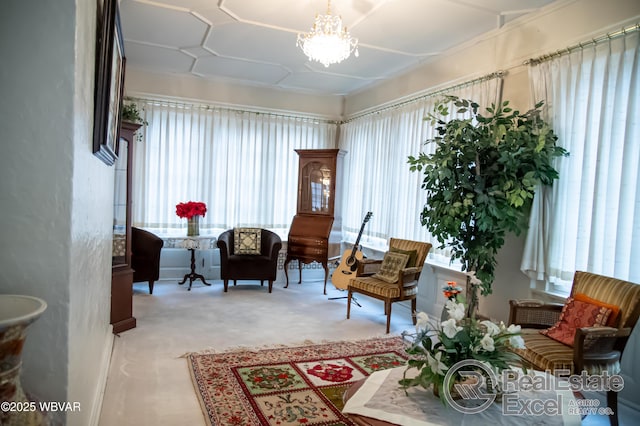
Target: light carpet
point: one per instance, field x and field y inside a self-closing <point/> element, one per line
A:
<point x="300" y="385"/>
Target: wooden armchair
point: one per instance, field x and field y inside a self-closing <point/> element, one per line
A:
<point x="595" y="349"/>
<point x="405" y="288"/>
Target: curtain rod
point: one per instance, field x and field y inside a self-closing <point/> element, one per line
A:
<point x="205" y="106"/>
<point x="497" y="74"/>
<point x="592" y="42"/>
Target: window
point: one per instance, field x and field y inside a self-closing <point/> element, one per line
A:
<point x="241" y="164"/>
<point x="589" y="220"/>
<point x="377" y="177"/>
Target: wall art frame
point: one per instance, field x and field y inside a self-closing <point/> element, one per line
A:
<point x="109" y="83"/>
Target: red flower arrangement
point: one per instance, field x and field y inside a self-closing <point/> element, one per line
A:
<point x="190" y="209"/>
<point x="451" y="290"/>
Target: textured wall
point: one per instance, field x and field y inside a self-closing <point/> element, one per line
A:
<point x="55" y="199"/>
<point x="90" y="337"/>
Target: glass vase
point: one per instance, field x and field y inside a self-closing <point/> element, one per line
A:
<point x="193" y="226"/>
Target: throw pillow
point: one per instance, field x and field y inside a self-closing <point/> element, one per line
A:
<point x="413" y="255"/>
<point x="576" y="314"/>
<point x="392" y="264"/>
<point x="247" y="240"/>
<point x="615" y="310"/>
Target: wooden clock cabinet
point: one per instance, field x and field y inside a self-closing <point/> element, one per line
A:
<point x="308" y="239"/>
<point x="122" y="317"/>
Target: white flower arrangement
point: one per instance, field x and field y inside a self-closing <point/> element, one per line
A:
<point x="436" y="347"/>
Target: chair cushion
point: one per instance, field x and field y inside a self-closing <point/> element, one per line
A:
<point x="413" y="255"/>
<point x="381" y="288"/>
<point x="247" y="241"/>
<point x="392" y="264"/>
<point x="543" y="353"/>
<point x="576" y="314"/>
<point x="615" y="310"/>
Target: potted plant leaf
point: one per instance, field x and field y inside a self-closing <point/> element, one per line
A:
<point x="132" y="114"/>
<point x="480" y="181"/>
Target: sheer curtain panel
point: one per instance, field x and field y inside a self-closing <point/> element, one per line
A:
<point x="589" y="220"/>
<point x="241" y="164"/>
<point x="377" y="177"/>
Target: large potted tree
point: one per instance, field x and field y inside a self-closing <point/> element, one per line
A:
<point x="480" y="181"/>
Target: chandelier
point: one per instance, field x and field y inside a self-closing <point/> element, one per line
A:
<point x="328" y="42"/>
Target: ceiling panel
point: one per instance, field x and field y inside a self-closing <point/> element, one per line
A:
<point x="157" y="59"/>
<point x="253" y="42"/>
<point x="161" y="26"/>
<point x="260" y="73"/>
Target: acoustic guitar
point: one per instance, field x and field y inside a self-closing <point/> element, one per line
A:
<point x="349" y="262"/>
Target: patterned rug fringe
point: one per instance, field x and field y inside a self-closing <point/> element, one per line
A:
<point x="307" y="342"/>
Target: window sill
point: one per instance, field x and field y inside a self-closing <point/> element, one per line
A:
<point x="548" y="296"/>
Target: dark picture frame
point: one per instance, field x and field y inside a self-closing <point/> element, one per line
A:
<point x="109" y="83"/>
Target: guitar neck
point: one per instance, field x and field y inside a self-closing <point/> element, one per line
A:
<point x="355" y="246"/>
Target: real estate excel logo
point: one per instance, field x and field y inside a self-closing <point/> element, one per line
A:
<point x="471" y="386"/>
<point x="472" y="389"/>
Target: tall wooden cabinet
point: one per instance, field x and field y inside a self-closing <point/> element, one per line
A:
<point x="122" y="317"/>
<point x="308" y="239"/>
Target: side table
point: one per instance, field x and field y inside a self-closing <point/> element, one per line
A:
<point x="192" y="244"/>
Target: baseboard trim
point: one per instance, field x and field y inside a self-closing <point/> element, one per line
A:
<point x="104" y="365"/>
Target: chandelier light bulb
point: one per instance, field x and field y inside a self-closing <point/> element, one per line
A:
<point x="328" y="42"/>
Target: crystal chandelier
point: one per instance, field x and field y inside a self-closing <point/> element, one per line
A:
<point x="328" y="42"/>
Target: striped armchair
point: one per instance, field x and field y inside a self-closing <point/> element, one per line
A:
<point x="595" y="349"/>
<point x="405" y="288"/>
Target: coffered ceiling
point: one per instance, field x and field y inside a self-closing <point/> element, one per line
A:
<point x="253" y="42"/>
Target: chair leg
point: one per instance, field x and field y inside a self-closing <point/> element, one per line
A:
<point x="612" y="402"/>
<point x="349" y="303"/>
<point x="226" y="285"/>
<point x="387" y="309"/>
<point x="234" y="283"/>
<point x="261" y="283"/>
<point x="270" y="285"/>
<point x="286" y="273"/>
<point x="151" y="282"/>
<point x="413" y="311"/>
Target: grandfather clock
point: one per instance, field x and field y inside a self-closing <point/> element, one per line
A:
<point x="308" y="239"/>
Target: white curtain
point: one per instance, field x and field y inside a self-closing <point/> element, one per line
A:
<point x="589" y="220"/>
<point x="377" y="176"/>
<point x="241" y="164"/>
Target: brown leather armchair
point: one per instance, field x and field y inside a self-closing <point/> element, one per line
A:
<point x="145" y="256"/>
<point x="261" y="266"/>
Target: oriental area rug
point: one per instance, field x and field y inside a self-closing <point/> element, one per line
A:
<point x="283" y="386"/>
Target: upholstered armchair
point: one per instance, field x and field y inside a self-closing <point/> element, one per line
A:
<point x="610" y="307"/>
<point x="249" y="254"/>
<point x="396" y="279"/>
<point x="145" y="256"/>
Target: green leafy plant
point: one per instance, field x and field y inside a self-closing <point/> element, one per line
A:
<point x="131" y="114"/>
<point x="481" y="179"/>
